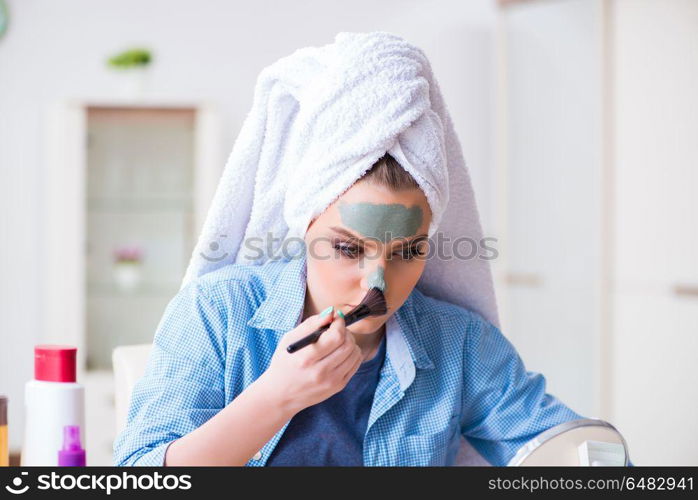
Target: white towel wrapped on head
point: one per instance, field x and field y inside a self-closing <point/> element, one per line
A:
<point x="320" y="119"/>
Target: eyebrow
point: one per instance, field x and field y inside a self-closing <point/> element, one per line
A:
<point x="353" y="236"/>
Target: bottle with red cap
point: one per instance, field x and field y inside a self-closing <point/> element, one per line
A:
<point x="53" y="400"/>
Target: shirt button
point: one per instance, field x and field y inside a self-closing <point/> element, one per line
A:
<point x="257" y="455"/>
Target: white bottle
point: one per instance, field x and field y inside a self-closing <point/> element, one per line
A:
<point x="52" y="400"/>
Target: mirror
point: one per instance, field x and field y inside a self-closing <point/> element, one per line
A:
<point x="583" y="442"/>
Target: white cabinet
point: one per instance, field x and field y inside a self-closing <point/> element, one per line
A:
<point x="654" y="380"/>
<point x="654" y="393"/>
<point x="120" y="175"/>
<point x="552" y="170"/>
<point x="597" y="210"/>
<point x="656" y="146"/>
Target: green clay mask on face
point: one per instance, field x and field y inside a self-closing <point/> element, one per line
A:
<point x="381" y="221"/>
<point x="376" y="279"/>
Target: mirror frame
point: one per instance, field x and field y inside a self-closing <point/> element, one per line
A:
<point x="535" y="443"/>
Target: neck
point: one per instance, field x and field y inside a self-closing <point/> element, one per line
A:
<point x="369" y="342"/>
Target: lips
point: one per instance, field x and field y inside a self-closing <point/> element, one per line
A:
<point x="352" y="306"/>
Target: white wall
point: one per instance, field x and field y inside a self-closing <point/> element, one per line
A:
<point x="655" y="345"/>
<point x="210" y="50"/>
<point x="553" y="197"/>
<point x="601" y="126"/>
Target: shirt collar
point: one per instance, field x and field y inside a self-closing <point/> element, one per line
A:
<point x="282" y="310"/>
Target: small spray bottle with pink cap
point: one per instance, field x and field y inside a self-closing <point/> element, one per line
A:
<point x="72" y="454"/>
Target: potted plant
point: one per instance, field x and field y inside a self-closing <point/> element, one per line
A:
<point x="132" y="65"/>
<point x="127" y="267"/>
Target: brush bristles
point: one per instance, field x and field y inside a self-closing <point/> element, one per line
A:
<point x="375" y="301"/>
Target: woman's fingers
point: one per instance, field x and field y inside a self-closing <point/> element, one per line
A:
<point x="308" y="326"/>
<point x="353" y="362"/>
<point x="336" y="349"/>
<point x="332" y="339"/>
<point x="338" y="356"/>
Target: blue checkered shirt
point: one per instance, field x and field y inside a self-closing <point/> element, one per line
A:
<point x="448" y="373"/>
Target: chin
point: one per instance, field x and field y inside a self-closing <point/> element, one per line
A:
<point x="366" y="326"/>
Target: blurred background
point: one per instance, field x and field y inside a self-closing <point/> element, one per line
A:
<point x="578" y="120"/>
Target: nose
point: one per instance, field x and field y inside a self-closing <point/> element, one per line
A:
<point x="374" y="276"/>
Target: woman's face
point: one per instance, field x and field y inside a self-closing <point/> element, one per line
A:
<point x="370" y="236"/>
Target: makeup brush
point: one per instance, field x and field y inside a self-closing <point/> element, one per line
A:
<point x="373" y="304"/>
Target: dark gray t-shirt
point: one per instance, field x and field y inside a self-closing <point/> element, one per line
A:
<point x="332" y="431"/>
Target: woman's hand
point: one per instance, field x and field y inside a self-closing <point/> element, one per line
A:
<point x="316" y="372"/>
<point x="292" y="382"/>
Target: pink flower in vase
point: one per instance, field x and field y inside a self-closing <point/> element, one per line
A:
<point x="127" y="272"/>
<point x="128" y="254"/>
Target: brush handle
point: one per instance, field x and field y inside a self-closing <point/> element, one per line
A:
<point x="357" y="314"/>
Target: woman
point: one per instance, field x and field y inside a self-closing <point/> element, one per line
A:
<point x="398" y="389"/>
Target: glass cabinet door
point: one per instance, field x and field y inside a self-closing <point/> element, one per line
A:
<point x="140" y="213"/>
